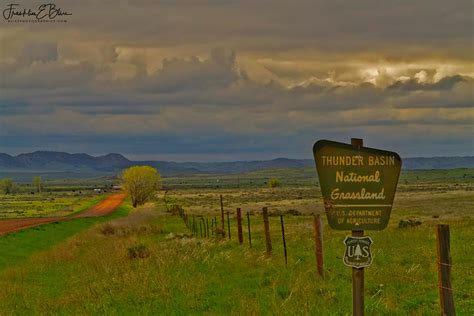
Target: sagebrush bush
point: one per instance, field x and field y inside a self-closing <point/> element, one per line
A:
<point x="107" y="229"/>
<point x="273" y="183"/>
<point x="293" y="212"/>
<point x="139" y="251"/>
<point x="408" y="223"/>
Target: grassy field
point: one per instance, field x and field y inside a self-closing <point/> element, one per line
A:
<point x="58" y="198"/>
<point x="17" y="247"/>
<point x="298" y="177"/>
<point x="46" y="204"/>
<point x="147" y="262"/>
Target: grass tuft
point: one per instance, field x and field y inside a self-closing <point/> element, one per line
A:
<point x="139" y="251"/>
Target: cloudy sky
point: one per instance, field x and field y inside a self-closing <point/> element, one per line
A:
<point x="218" y="80"/>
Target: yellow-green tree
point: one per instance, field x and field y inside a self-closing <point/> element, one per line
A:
<point x="7" y="186"/>
<point x="38" y="183"/>
<point x="141" y="183"/>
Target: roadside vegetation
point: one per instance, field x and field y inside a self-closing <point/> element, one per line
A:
<point x="46" y="204"/>
<point x="20" y="246"/>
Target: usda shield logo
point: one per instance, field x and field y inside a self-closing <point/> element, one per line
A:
<point x="358" y="253"/>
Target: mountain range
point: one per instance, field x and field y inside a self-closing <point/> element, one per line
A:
<point x="111" y="163"/>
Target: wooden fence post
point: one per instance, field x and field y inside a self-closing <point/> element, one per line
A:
<point x="248" y="226"/>
<point x="207" y="226"/>
<point x="268" y="239"/>
<point x="215" y="226"/>
<point x="318" y="244"/>
<point x="444" y="270"/>
<point x="228" y="224"/>
<point x="284" y="240"/>
<point x="239" y="226"/>
<point x="222" y="215"/>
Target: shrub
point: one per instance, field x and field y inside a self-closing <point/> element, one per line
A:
<point x="293" y="212"/>
<point x="408" y="223"/>
<point x="125" y="229"/>
<point x="175" y="209"/>
<point x="273" y="183"/>
<point x="107" y="229"/>
<point x="139" y="251"/>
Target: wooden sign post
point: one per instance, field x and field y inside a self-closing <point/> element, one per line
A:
<point x="318" y="247"/>
<point x="358" y="185"/>
<point x="357" y="273"/>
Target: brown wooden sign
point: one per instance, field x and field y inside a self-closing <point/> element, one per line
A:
<point x="358" y="184"/>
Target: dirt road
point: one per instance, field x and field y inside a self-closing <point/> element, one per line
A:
<point x="103" y="208"/>
<point x="107" y="206"/>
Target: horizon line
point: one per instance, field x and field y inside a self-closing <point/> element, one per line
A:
<point x="226" y="161"/>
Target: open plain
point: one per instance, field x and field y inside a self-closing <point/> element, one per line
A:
<point x="146" y="261"/>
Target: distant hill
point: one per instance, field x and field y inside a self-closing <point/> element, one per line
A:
<point x="438" y="163"/>
<point x="51" y="160"/>
<point x="112" y="163"/>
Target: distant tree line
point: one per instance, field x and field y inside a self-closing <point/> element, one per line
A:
<point x="8" y="186"/>
<point x="38" y="184"/>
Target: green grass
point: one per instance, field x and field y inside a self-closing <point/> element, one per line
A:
<point x="91" y="272"/>
<point x="88" y="271"/>
<point x="17" y="247"/>
<point x="45" y="204"/>
<point x="59" y="197"/>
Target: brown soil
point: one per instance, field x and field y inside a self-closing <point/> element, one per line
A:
<point x="105" y="207"/>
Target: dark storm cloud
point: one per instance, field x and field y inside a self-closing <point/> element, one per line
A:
<point x="145" y="78"/>
<point x="45" y="75"/>
<point x="38" y="51"/>
<point x="214" y="95"/>
<point x="277" y="25"/>
<point x="446" y="83"/>
<point x="218" y="71"/>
